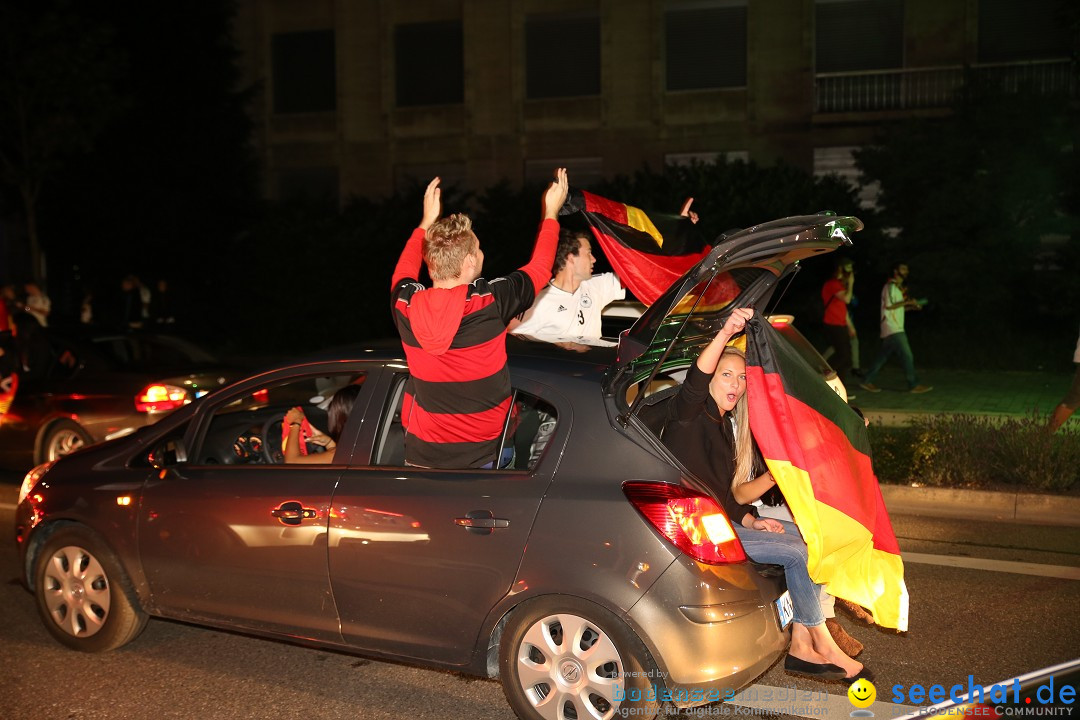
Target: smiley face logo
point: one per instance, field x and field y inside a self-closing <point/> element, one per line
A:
<point x="862" y="693"/>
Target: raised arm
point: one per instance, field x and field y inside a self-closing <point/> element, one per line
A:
<point x="688" y="402"/>
<point x="735" y="324"/>
<point x="539" y="266"/>
<point x="408" y="265"/>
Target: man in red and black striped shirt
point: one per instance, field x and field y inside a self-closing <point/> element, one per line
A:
<point x="454" y="333"/>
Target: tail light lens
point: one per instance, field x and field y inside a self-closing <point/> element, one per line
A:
<point x="31" y="480"/>
<point x="160" y="398"/>
<point x="693" y="522"/>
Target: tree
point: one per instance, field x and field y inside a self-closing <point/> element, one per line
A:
<point x="986" y="203"/>
<point x="57" y="74"/>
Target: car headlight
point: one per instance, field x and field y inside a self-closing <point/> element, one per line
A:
<point x="31" y="480"/>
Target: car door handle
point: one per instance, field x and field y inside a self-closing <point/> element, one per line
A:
<point x="292" y="513"/>
<point x="481" y="522"/>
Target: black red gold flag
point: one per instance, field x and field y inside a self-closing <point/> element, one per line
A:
<point x="818" y="451"/>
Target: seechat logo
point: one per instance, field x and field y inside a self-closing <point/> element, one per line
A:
<point x="1048" y="699"/>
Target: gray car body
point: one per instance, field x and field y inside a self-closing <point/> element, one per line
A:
<point x="572" y="532"/>
<point x="384" y="568"/>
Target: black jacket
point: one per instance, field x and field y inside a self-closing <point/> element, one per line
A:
<point x="703" y="440"/>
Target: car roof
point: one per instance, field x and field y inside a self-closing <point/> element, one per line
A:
<point x="522" y="351"/>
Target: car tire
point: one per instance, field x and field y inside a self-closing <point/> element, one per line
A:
<point x="62" y="438"/>
<point x="83" y="595"/>
<point x="567" y="657"/>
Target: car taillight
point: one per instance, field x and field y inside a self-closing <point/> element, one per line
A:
<point x="159" y="398"/>
<point x="32" y="478"/>
<point x="693" y="522"/>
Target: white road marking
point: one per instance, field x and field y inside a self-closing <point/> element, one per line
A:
<point x="1020" y="568"/>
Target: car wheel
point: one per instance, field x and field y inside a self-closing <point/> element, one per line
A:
<point x="63" y="438"/>
<point x="83" y="594"/>
<point x="566" y="658"/>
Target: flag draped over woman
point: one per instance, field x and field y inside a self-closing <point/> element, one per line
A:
<point x="817" y="449"/>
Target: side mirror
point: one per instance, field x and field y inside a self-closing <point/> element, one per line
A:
<point x="168" y="453"/>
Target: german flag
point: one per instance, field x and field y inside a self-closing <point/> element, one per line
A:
<point x="818" y="451"/>
<point x="647" y="256"/>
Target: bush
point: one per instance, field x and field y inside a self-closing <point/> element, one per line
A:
<point x="977" y="452"/>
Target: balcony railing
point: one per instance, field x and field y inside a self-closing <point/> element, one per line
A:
<point x="935" y="87"/>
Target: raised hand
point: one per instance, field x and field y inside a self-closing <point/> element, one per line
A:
<point x="686" y="212"/>
<point x="432" y="204"/>
<point x="555" y="195"/>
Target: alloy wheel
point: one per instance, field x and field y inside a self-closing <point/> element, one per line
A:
<point x="76" y="591"/>
<point x="569" y="668"/>
<point x="63" y="442"/>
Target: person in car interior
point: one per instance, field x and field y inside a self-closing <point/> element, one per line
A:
<point x="337" y="414"/>
<point x="454" y="334"/>
<point x="707" y="429"/>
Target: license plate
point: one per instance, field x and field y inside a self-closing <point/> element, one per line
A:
<point x="784" y="609"/>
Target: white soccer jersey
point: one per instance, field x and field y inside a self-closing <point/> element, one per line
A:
<point x="557" y="314"/>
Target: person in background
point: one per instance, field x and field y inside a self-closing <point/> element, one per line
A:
<point x="37" y="303"/>
<point x="454" y="334"/>
<point x="161" y="305"/>
<point x="894" y="340"/>
<point x="1068" y="404"/>
<point x="836" y="294"/>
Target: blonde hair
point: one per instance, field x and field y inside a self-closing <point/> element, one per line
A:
<point x="446" y="244"/>
<point x="744" y="443"/>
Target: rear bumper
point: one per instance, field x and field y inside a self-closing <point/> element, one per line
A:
<point x="725" y="634"/>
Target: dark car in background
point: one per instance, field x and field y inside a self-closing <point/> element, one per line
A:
<point x="101" y="387"/>
<point x="590" y="571"/>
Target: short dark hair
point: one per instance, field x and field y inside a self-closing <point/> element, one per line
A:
<point x="569" y="244"/>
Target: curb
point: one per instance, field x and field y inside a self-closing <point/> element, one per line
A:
<point x="1017" y="507"/>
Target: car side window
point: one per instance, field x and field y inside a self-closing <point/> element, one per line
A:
<point x="529" y="428"/>
<point x="250" y="429"/>
<point x="168" y="451"/>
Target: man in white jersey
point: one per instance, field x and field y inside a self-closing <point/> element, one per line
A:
<point x="569" y="307"/>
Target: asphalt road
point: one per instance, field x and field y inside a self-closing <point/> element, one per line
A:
<point x="1009" y="607"/>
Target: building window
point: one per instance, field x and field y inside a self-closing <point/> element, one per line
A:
<point x="584" y="171"/>
<point x="304" y="72"/>
<point x="853" y="35"/>
<point x="430" y="63"/>
<point x="1010" y="30"/>
<point x="314" y="183"/>
<point x="705" y="45"/>
<point x="408" y="177"/>
<point x="562" y="56"/>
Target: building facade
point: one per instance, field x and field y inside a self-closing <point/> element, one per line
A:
<point x="361" y="96"/>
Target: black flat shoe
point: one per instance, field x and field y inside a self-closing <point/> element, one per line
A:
<point x="864" y="674"/>
<point x="817" y="671"/>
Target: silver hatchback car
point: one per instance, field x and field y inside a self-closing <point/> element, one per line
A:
<point x="590" y="573"/>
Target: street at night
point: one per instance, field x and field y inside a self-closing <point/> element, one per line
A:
<point x="977" y="618"/>
<point x="569" y="359"/>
